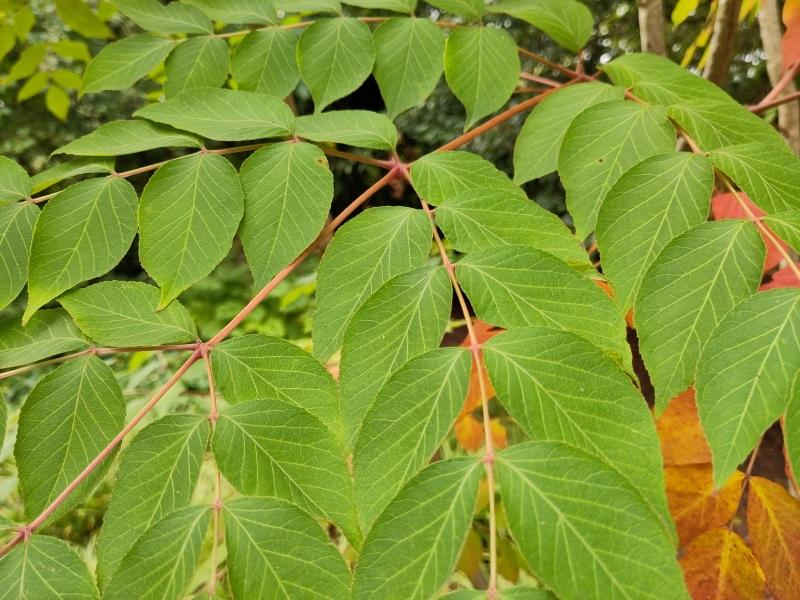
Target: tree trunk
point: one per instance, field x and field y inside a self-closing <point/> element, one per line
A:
<point x="771" y="32"/>
<point x="723" y="41"/>
<point x="651" y="26"/>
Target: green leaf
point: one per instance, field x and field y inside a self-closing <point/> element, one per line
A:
<point x="157" y="475"/>
<point x="174" y="17"/>
<point x="33" y="86"/>
<point x="365" y="253"/>
<point x="68" y="79"/>
<point x="78" y="408"/>
<point x="288" y="190"/>
<point x="650" y="205"/>
<point x="601" y="144"/>
<point x="786" y="225"/>
<point x="538" y="143"/>
<point x="441" y="175"/>
<point x="199" y="62"/>
<point x="472" y="9"/>
<point x="78" y="16"/>
<point x="73" y="50"/>
<point x="408" y="61"/>
<point x="237" y="11"/>
<point x="407" y="316"/>
<point x="14" y="181"/>
<point x="3" y="420"/>
<point x="189" y="213"/>
<point x="335" y="58"/>
<point x="791" y="428"/>
<point x="482" y="68"/>
<point x="405" y="426"/>
<point x="271" y="448"/>
<point x="71" y="168"/>
<point x="124" y="313"/>
<point x="736" y="400"/>
<point x="420" y="532"/>
<point x="361" y="128"/>
<point x="312" y="6"/>
<point x="770" y="176"/>
<point x="161" y="563"/>
<point x="568" y="22"/>
<point x="513" y="593"/>
<point x="224" y="115"/>
<point x="693" y="283"/>
<point x="516" y="286"/>
<point x="265" y="62"/>
<point x="404" y="6"/>
<point x="16" y="233"/>
<point x="122" y="63"/>
<point x="127" y="137"/>
<point x="565" y="507"/>
<point x="258" y="367"/>
<point x="81" y="233"/>
<point x="45" y="568"/>
<point x="485" y="218"/>
<point x="49" y="332"/>
<point x="57" y="102"/>
<point x="275" y="550"/>
<point x="561" y="388"/>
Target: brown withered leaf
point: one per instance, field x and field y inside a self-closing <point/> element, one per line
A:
<point x="682" y="439"/>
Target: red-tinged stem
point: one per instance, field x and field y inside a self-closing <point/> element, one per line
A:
<point x="367" y="160"/>
<point x="537" y="79"/>
<point x="776" y="91"/>
<point x="764" y="106"/>
<point x="572" y="74"/>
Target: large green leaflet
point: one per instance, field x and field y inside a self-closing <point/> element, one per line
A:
<point x="16" y="234"/>
<point x="693" y="283"/>
<point x="199" y="62"/>
<point x="87" y="165"/>
<point x="175" y="17"/>
<point x="189" y="213"/>
<point x="405" y="425"/>
<point x="288" y="190"/>
<point x="568" y="22"/>
<point x="415" y="543"/>
<point x="265" y="62"/>
<point x="275" y="550"/>
<point x="649" y="206"/>
<point x="49" y="332"/>
<point x="603" y="142"/>
<point x="365" y="253"/>
<point x="157" y="476"/>
<point x="406" y="6"/>
<point x="237" y="11"/>
<point x="472" y="9"/>
<point x="353" y="127"/>
<point x="585" y="532"/>
<point x="82" y="233"/>
<point x="121" y="64"/>
<point x="78" y="409"/>
<point x="14" y="181"/>
<point x="127" y="137"/>
<point x="787" y="226"/>
<point x="746" y="374"/>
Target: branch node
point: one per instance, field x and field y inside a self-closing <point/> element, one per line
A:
<point x="217" y="505"/>
<point x="488" y="459"/>
<point x="25" y="532"/>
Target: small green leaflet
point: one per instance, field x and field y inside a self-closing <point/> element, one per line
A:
<point x="161" y="563"/>
<point x="366" y="252"/>
<point x="199" y="62"/>
<point x="486" y="218"/>
<point x="601" y="144"/>
<point x="271" y="448"/>
<point x="441" y="175"/>
<point x="175" y="17"/>
<point x="49" y="332"/>
<point x="650" y="205"/>
<point x="421" y="532"/>
<point x="124" y="313"/>
<point x="362" y="128"/>
<point x="335" y="57"/>
<point x="78" y="166"/>
<point x="693" y="283"/>
<point x="791" y="428"/>
<point x="515" y="286"/>
<point x="568" y="22"/>
<point x="407" y="316"/>
<point x="539" y="141"/>
<point x="81" y="233"/>
<point x="157" y="475"/>
<point x="127" y="137"/>
<point x="258" y="367"/>
<point x="80" y="17"/>
<point x="16" y="234"/>
<point x="277" y="550"/>
<point x="407" y="422"/>
<point x="288" y="190"/>
<point x="14" y="181"/>
<point x="121" y="64"/>
<point x="223" y="115"/>
<point x="78" y="408"/>
<point x="408" y="61"/>
<point x="265" y="62"/>
<point x="472" y="9"/>
<point x="404" y="6"/>
<point x="482" y="68"/>
<point x="189" y="213"/>
<point x="312" y="6"/>
<point x="565" y="507"/>
<point x="561" y="388"/>
<point x="45" y="568"/>
<point x="736" y="400"/>
<point x="237" y="11"/>
<point x="787" y="226"/>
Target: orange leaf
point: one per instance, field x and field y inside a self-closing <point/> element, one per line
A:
<point x="694" y="504"/>
<point x="773" y="524"/>
<point x="469" y="433"/>
<point x="790" y="44"/>
<point x="783" y="277"/>
<point x="483" y="332"/>
<point x="499" y="434"/>
<point x="718" y="565"/>
<point x="606" y="287"/>
<point x="682" y="439"/>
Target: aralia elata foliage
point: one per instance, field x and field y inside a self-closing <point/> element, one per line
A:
<point x="639" y="147"/>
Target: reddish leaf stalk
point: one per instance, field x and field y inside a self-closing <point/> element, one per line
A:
<point x="776" y="91"/>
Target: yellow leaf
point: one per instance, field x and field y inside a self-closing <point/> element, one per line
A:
<point x="57" y="102"/>
<point x="682" y="439"/>
<point x="471" y="557"/>
<point x="682" y="10"/>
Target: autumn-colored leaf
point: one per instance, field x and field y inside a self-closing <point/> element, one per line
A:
<point x="694" y="504"/>
<point x="783" y="277"/>
<point x="680" y="433"/>
<point x="790" y="44"/>
<point x="469" y="433"/>
<point x="718" y="565"/>
<point x="606" y="287"/>
<point x="773" y="524"/>
<point x="471" y="557"/>
<point x="499" y="434"/>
